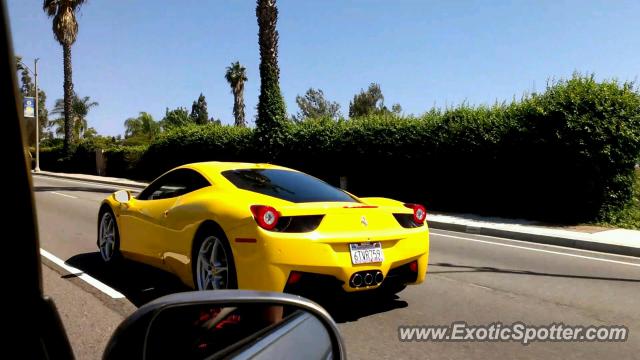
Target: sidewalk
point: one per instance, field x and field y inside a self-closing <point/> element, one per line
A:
<point x="616" y="241"/>
<point x="95" y="178"/>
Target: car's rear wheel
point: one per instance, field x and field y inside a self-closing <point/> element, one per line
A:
<point x="214" y="267"/>
<point x="108" y="237"/>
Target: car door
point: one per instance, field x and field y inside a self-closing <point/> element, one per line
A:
<point x="180" y="222"/>
<point x="142" y="222"/>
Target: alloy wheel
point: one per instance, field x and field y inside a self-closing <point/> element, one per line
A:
<point x="212" y="265"/>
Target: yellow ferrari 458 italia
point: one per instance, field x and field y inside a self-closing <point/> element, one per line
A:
<point x="219" y="225"/>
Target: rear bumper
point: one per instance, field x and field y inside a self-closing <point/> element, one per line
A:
<point x="326" y="262"/>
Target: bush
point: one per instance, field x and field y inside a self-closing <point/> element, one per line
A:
<point x="196" y="143"/>
<point x="564" y="155"/>
<point x="82" y="159"/>
<point x="627" y="216"/>
<point x="122" y="161"/>
<point x="567" y="154"/>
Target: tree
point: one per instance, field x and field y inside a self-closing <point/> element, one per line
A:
<point x="90" y="133"/>
<point x="80" y="107"/>
<point x="396" y="109"/>
<point x="313" y="105"/>
<point x="28" y="89"/>
<point x="141" y="129"/>
<point x="175" y="118"/>
<point x="236" y="75"/>
<point x="370" y="102"/>
<point x="19" y="65"/>
<point x="271" y="108"/>
<point x="65" y="30"/>
<point x="58" y="125"/>
<point x="366" y="102"/>
<point x="199" y="113"/>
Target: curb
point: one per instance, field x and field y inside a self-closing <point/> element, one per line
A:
<point x="107" y="182"/>
<point x="537" y="238"/>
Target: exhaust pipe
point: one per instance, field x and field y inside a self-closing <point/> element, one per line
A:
<point x="379" y="277"/>
<point x="356" y="280"/>
<point x="368" y="279"/>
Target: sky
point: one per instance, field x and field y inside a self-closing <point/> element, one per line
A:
<point x="143" y="55"/>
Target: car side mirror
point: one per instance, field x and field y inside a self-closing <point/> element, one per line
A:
<point x="122" y="196"/>
<point x="227" y="324"/>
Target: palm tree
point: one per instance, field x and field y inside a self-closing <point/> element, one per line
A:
<point x="58" y="124"/>
<point x="236" y="76"/>
<point x="143" y="126"/>
<point x="65" y="30"/>
<point x="271" y="109"/>
<point x="79" y="110"/>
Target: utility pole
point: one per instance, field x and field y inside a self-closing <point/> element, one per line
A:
<point x="35" y="75"/>
<point x="34" y="72"/>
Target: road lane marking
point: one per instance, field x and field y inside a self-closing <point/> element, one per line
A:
<point x="480" y="286"/>
<point x="82" y="275"/>
<point x="61" y="194"/>
<point x="541" y="250"/>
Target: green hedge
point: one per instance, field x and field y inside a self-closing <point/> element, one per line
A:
<point x="196" y="143"/>
<point x="82" y="159"/>
<point x="121" y="161"/>
<point x="567" y="154"/>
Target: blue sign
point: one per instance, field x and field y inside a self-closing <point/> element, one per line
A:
<point x="29" y="104"/>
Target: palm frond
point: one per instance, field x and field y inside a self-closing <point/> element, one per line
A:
<point x="76" y="4"/>
<point x="65" y="25"/>
<point x="50" y="7"/>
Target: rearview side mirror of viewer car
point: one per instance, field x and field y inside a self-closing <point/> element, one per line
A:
<point x="227" y="324"/>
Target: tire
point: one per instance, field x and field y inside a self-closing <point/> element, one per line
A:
<point x="222" y="274"/>
<point x="108" y="237"/>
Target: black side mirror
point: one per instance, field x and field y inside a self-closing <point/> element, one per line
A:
<point x="227" y="324"/>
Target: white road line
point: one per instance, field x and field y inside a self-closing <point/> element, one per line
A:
<point x="61" y="194"/>
<point x="541" y="250"/>
<point x="79" y="273"/>
<point x="480" y="286"/>
<point x="559" y="247"/>
<point x="99" y="185"/>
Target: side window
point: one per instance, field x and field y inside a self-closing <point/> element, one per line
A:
<point x="175" y="183"/>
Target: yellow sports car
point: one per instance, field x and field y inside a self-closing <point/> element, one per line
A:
<point x="219" y="225"/>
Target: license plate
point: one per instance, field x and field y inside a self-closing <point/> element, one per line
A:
<point x="366" y="253"/>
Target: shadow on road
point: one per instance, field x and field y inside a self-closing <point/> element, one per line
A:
<point x="484" y="269"/>
<point x="75" y="188"/>
<point x="138" y="282"/>
<point x="351" y="307"/>
<point x="141" y="283"/>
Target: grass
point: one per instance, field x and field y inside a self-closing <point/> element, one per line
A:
<point x="629" y="217"/>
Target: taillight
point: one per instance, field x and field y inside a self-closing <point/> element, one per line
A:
<point x="413" y="266"/>
<point x="294" y="277"/>
<point x="419" y="212"/>
<point x="266" y="216"/>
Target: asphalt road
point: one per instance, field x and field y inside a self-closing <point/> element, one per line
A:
<point x="471" y="278"/>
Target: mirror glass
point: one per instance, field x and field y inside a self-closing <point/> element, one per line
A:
<point x="122" y="196"/>
<point x="248" y="331"/>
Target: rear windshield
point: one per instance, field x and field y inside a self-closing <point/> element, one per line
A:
<point x="287" y="185"/>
